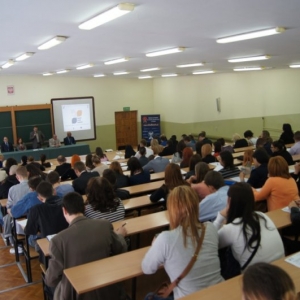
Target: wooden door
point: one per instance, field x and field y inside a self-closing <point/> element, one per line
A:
<point x="126" y="128"/>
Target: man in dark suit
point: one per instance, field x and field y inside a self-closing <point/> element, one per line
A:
<point x="69" y="140"/>
<point x="80" y="183"/>
<point x="6" y="146"/>
<point x="84" y="241"/>
<point x="37" y="138"/>
<point x="63" y="166"/>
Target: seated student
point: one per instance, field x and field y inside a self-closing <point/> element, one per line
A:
<point x="155" y="144"/>
<point x="296" y="148"/>
<point x="197" y="181"/>
<point x="9" y="181"/>
<point x="239" y="142"/>
<point x="173" y="178"/>
<point x="189" y="143"/>
<point x="8" y="163"/>
<point x="163" y="140"/>
<point x="143" y="143"/>
<point x="158" y="164"/>
<point x="43" y="161"/>
<point x="207" y="157"/>
<point x="137" y="174"/>
<point x="248" y="159"/>
<point x="63" y="166"/>
<point x="99" y="152"/>
<point x="259" y="174"/>
<point x="24" y="160"/>
<point x="193" y="161"/>
<point x="229" y="169"/>
<point x="29" y="200"/>
<point x="216" y="200"/>
<point x="102" y="202"/>
<point x="225" y="147"/>
<point x="187" y="153"/>
<point x="217" y="148"/>
<point x="174" y="142"/>
<point x="60" y="189"/>
<point x="143" y="159"/>
<point x="84" y="241"/>
<point x="168" y="150"/>
<point x="177" y="156"/>
<point x="280" y="188"/>
<point x="30" y="160"/>
<point x="268" y="282"/>
<point x="80" y="183"/>
<point x="98" y="166"/>
<point x="267" y="141"/>
<point x="287" y="135"/>
<point x="203" y="139"/>
<point x="89" y="162"/>
<point x="122" y="180"/>
<point x="174" y="248"/>
<point x="47" y="218"/>
<point x="248" y="135"/>
<point x="110" y="175"/>
<point x="278" y="149"/>
<point x="34" y="171"/>
<point x="129" y="152"/>
<point x="252" y="236"/>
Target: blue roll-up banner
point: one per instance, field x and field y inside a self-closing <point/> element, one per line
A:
<point x="150" y="126"/>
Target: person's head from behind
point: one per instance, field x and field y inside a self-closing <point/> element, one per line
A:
<point x="142" y="151"/>
<point x="187" y="153"/>
<point x="278" y="167"/>
<point x="43" y="158"/>
<point x="236" y="137"/>
<point x="73" y="206"/>
<point x="206" y="150"/>
<point x="143" y="143"/>
<point x="260" y="143"/>
<point x="187" y="139"/>
<point x="260" y="156"/>
<point x="214" y="180"/>
<point x="44" y="191"/>
<point x="226" y="160"/>
<point x="134" y="165"/>
<point x="174" y="137"/>
<point x="53" y="178"/>
<point x="30" y="159"/>
<point x="116" y="167"/>
<point x="33" y="182"/>
<point x="201" y="136"/>
<point x="21" y="173"/>
<point x="173" y="176"/>
<point x="277" y="146"/>
<point x="156" y="149"/>
<point x="75" y="158"/>
<point x="163" y="138"/>
<point x="180" y="146"/>
<point x="96" y="160"/>
<point x="99" y="152"/>
<point x="79" y="167"/>
<point x="24" y="159"/>
<point x="13" y="170"/>
<point x="88" y="161"/>
<point x="183" y="208"/>
<point x="195" y="158"/>
<point x="287" y="128"/>
<point x="265" y="134"/>
<point x="110" y="175"/>
<point x="61" y="159"/>
<point x="248" y="134"/>
<point x="154" y="142"/>
<point x="33" y="171"/>
<point x="10" y="162"/>
<point x="222" y="141"/>
<point x="248" y="156"/>
<point x="201" y="169"/>
<point x="297" y="136"/>
<point x="263" y="281"/>
<point x="217" y="147"/>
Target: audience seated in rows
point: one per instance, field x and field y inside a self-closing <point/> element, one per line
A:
<point x="137" y="174"/>
<point x="229" y="169"/>
<point x="60" y="189"/>
<point x="122" y="180"/>
<point x="89" y="162"/>
<point x="64" y="169"/>
<point x="30" y="160"/>
<point x="266" y="141"/>
<point x="44" y="163"/>
<point x="206" y="155"/>
<point x="155" y="145"/>
<point x="187" y="153"/>
<point x="158" y="164"/>
<point x="163" y="140"/>
<point x="149" y="151"/>
<point x="8" y="163"/>
<point x="34" y="171"/>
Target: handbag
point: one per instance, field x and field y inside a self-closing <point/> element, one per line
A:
<point x="166" y="289"/>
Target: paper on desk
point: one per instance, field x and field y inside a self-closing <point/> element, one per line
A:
<point x="218" y="168"/>
<point x="291" y="169"/>
<point x="183" y="172"/>
<point x="117" y="157"/>
<point x="20" y="225"/>
<point x="123" y="164"/>
<point x="109" y="150"/>
<point x="124" y="168"/>
<point x="22" y="222"/>
<point x="49" y="237"/>
<point x="160" y="200"/>
<point x="294" y="259"/>
<point x="238" y="179"/>
<point x="286" y="209"/>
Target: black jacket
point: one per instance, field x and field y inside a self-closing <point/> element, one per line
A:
<point x="80" y="183"/>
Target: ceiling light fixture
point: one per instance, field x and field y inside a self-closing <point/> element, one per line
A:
<point x="190" y="65"/>
<point x="253" y="58"/>
<point x="53" y="42"/>
<point x="149" y="70"/>
<point x="203" y="72"/>
<point x="85" y="67"/>
<point x="47" y="74"/>
<point x="121" y="73"/>
<point x="169" y="75"/>
<point x="145" y="77"/>
<point x="109" y="15"/>
<point x="165" y="52"/>
<point x="248" y="69"/>
<point x="251" y="35"/>
<point x="62" y="71"/>
<point x="8" y="64"/>
<point x="99" y="75"/>
<point x="24" y="56"/>
<point x="295" y="66"/>
<point x="116" y="61"/>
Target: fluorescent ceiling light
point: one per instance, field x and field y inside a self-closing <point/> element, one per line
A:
<point x="164" y="52"/>
<point x="62" y="71"/>
<point x="116" y="61"/>
<point x="248" y="69"/>
<point x="47" y="74"/>
<point x="144" y="77"/>
<point x="99" y="75"/>
<point x="169" y="75"/>
<point x="190" y="65"/>
<point x="203" y="72"/>
<point x="85" y="67"/>
<point x="120" y="73"/>
<point x="253" y="58"/>
<point x="24" y="56"/>
<point x="8" y="64"/>
<point x="109" y="15"/>
<point x="53" y="42"/>
<point x="295" y="66"/>
<point x="251" y="35"/>
<point x="149" y="70"/>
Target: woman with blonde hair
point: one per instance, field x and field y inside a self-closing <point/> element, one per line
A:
<point x="173" y="249"/>
<point x="280" y="188"/>
<point x="207" y="157"/>
<point x="122" y="180"/>
<point x="155" y="144"/>
<point x="263" y="281"/>
<point x="248" y="159"/>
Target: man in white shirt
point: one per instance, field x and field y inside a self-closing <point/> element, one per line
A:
<point x="143" y="143"/>
<point x="54" y="142"/>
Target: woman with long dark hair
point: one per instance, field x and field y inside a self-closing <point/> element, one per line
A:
<point x="122" y="180"/>
<point x="137" y="174"/>
<point x="99" y="152"/>
<point x="193" y="161"/>
<point x="287" y="135"/>
<point x="229" y="169"/>
<point x="251" y="235"/>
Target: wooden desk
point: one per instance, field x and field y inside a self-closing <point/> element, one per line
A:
<point x="44" y="245"/>
<point x="296" y="157"/>
<point x="280" y="218"/>
<point x="138" y="202"/>
<point x="243" y="149"/>
<point x="144" y="188"/>
<point x="3" y="202"/>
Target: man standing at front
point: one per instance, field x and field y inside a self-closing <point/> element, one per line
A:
<point x="37" y="138"/>
<point x="71" y="248"/>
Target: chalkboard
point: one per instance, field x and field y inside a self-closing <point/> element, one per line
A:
<point x="27" y="119"/>
<point x="6" y="126"/>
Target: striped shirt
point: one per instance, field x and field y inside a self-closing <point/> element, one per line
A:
<point x="228" y="173"/>
<point x="114" y="216"/>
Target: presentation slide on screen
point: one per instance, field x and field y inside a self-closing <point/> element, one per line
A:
<point x="76" y="117"/>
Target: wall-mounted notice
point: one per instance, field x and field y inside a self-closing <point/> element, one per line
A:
<point x="150" y="126"/>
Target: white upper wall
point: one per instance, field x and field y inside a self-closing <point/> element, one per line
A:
<point x="243" y="95"/>
<point x="111" y="94"/>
